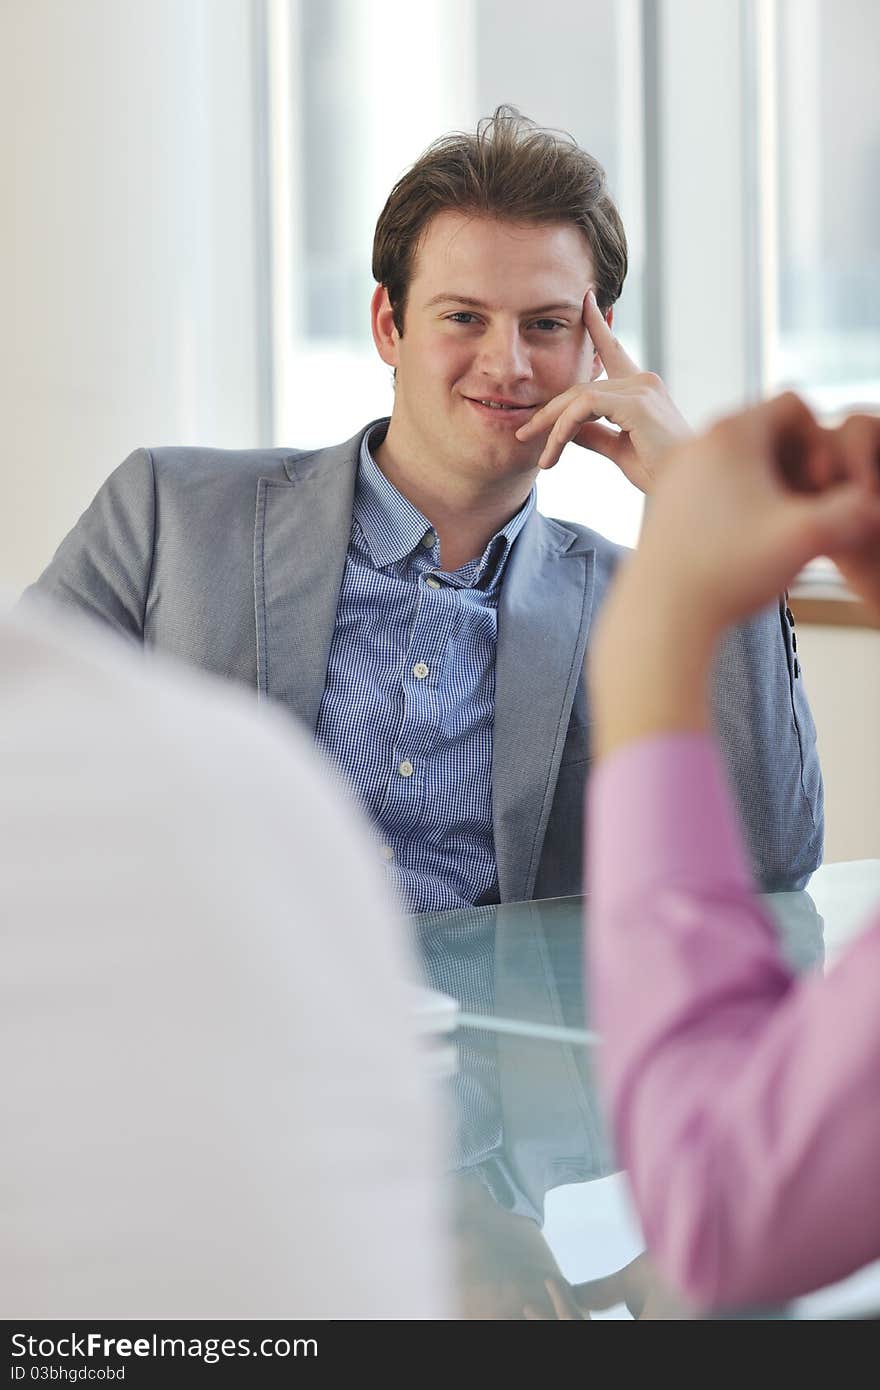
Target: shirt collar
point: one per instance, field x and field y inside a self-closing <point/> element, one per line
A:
<point x="393" y="528"/>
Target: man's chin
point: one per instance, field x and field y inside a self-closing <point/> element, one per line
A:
<point x="504" y="463"/>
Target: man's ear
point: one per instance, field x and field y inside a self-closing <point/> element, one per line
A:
<point x="596" y="367"/>
<point x="385" y="335"/>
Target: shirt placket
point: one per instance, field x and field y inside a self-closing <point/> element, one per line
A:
<point x="436" y="616"/>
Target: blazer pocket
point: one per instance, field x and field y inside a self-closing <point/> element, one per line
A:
<point x="577" y="746"/>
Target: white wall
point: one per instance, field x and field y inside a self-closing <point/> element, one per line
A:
<point x="128" y="247"/>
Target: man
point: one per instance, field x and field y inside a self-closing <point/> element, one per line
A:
<point x="400" y="593"/>
<point x="212" y="1100"/>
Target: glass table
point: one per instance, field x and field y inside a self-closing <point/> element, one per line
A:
<point x="536" y="1190"/>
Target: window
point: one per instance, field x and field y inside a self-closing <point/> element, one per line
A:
<point x="824" y="337"/>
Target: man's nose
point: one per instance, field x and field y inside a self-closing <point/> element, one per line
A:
<point x="503" y="354"/>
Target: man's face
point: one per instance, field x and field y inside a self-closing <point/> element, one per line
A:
<point x="493" y="329"/>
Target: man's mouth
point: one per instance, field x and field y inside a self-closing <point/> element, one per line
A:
<point x="502" y="406"/>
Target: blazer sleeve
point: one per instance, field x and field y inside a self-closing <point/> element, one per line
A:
<point x="768" y="740"/>
<point x="104" y="565"/>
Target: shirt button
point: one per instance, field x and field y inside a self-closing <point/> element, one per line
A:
<point x="406" y="768"/>
<point x="429" y="540"/>
<point x="420" y="670"/>
<point x="387" y="852"/>
<point x="431" y="582"/>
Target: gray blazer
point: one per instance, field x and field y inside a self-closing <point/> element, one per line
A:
<point x="233" y="560"/>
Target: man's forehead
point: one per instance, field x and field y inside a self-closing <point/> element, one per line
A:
<point x="558" y="306"/>
<point x="472" y="257"/>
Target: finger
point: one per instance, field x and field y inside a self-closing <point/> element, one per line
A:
<point x="563" y="432"/>
<point x="599" y="1294"/>
<point x="595" y="399"/>
<point x="563" y="1301"/>
<point x="820" y="464"/>
<point x="860" y="568"/>
<point x="601" y="440"/>
<point x="799" y="447"/>
<point x="548" y="414"/>
<point x="621" y="402"/>
<point x="533" y="1314"/>
<point x="858" y="445"/>
<point x="844" y="519"/>
<point x="805" y="457"/>
<point x="604" y="401"/>
<point x="611" y="353"/>
<point x="786" y="411"/>
<point x="783" y="434"/>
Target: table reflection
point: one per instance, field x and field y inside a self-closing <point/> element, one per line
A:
<point x="527" y="1118"/>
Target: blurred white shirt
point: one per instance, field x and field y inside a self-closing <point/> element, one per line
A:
<point x="212" y="1093"/>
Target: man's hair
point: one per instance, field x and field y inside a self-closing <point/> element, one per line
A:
<point x="508" y="168"/>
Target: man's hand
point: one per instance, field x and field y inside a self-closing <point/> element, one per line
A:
<point x="647" y="420"/>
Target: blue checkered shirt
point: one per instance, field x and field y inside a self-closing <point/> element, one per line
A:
<point x="409" y="703"/>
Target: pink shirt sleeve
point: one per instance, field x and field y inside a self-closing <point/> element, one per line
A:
<point x="745" y="1102"/>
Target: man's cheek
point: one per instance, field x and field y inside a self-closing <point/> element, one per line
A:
<point x="577" y="368"/>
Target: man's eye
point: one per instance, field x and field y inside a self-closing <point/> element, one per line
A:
<point x="462" y="316"/>
<point x="547" y="325"/>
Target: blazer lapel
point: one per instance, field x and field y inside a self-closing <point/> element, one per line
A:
<point x="300" y="545"/>
<point x="543" y="619"/>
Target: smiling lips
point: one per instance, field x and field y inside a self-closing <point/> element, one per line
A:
<point x="512" y="410"/>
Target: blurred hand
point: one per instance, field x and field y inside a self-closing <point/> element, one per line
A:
<point x="736" y="515"/>
<point x="742" y="509"/>
<point x="502" y="1260"/>
<point x="858" y="444"/>
<point x="637" y="1285"/>
<point x="636" y="402"/>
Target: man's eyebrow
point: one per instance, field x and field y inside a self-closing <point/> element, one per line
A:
<point x="563" y="306"/>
